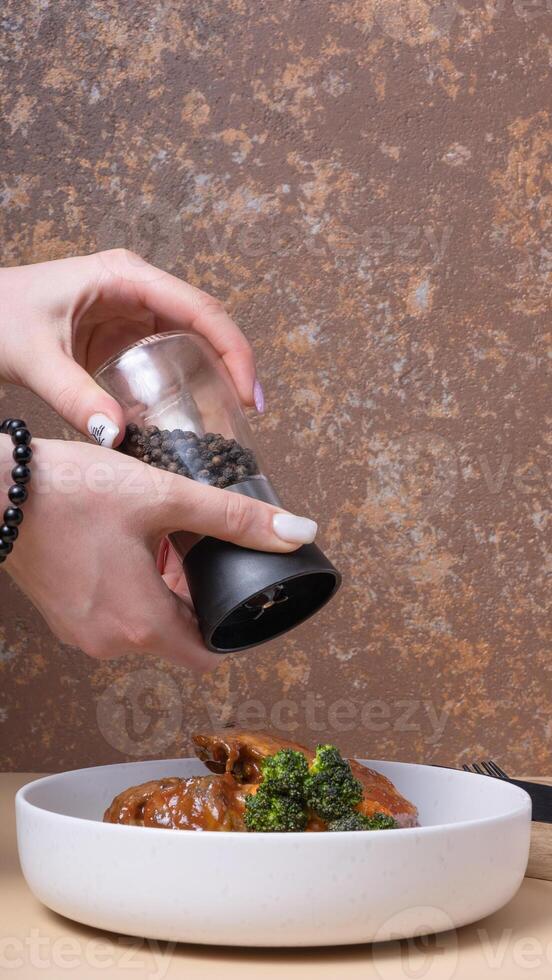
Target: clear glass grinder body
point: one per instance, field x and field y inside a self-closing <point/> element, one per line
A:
<point x="182" y="413"/>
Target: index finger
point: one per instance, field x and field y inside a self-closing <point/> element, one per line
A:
<point x="180" y="304"/>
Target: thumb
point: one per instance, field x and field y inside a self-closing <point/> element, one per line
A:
<point x="227" y="515"/>
<point x="74" y="395"/>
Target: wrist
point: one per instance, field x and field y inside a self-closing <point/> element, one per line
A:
<point x="6" y="464"/>
<point x="19" y="476"/>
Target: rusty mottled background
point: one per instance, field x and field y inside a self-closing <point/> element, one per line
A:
<point x="367" y="185"/>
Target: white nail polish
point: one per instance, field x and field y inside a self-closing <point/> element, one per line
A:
<point x="102" y="429"/>
<point x="299" y="530"/>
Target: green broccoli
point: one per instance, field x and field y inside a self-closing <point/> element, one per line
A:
<point x="285" y="773"/>
<point x="358" y="821"/>
<point x="331" y="790"/>
<point x="268" y="812"/>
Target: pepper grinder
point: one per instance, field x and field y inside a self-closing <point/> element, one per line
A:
<point x="182" y="414"/>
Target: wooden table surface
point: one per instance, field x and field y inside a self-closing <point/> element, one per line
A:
<point x="514" y="943"/>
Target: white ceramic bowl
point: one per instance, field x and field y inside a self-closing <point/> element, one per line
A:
<point x="465" y="861"/>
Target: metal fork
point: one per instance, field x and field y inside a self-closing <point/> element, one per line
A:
<point x="541" y="795"/>
<point x="488" y="768"/>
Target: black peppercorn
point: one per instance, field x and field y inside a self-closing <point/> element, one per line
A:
<point x="210" y="458"/>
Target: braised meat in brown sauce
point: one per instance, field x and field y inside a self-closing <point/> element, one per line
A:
<point x="217" y="802"/>
<point x="195" y="803"/>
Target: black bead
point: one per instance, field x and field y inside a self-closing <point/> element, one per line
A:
<point x="15" y="424"/>
<point x="18" y="494"/>
<point x="8" y="533"/>
<point x="5" y="547"/>
<point x="4" y="425"/>
<point x="21" y="473"/>
<point x="22" y="454"/>
<point x="20" y="436"/>
<point x="13" y="516"/>
<point x="2" y="558"/>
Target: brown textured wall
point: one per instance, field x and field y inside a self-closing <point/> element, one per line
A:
<point x="367" y="185"/>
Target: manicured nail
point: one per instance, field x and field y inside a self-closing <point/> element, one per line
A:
<point x="103" y="429"/>
<point x="258" y="397"/>
<point x="299" y="530"/>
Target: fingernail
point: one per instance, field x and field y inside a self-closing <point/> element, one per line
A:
<point x="289" y="527"/>
<point x="102" y="429"/>
<point x="258" y="397"/>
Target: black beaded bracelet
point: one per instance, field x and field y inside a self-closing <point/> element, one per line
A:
<point x="21" y="475"/>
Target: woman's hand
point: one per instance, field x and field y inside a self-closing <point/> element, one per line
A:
<point x="60" y="320"/>
<point x="87" y="548"/>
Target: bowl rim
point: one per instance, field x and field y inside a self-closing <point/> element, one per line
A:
<point x="523" y="808"/>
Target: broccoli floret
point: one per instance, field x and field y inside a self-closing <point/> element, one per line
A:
<point x="268" y="812"/>
<point x="359" y="821"/>
<point x="331" y="790"/>
<point x="285" y="773"/>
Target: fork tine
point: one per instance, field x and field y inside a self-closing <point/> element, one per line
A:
<point x="496" y="770"/>
<point x="485" y="768"/>
<point x="473" y="767"/>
